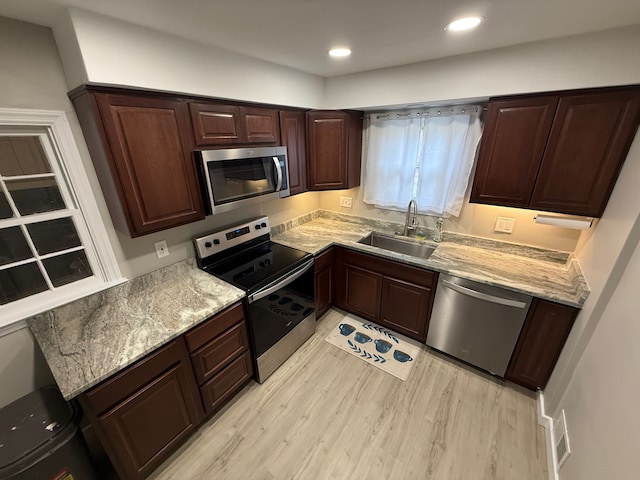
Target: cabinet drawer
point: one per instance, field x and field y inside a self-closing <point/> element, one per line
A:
<point x="210" y="329"/>
<point x="144" y="428"/>
<point x="214" y="355"/>
<point x="124" y="384"/>
<point x="222" y="386"/>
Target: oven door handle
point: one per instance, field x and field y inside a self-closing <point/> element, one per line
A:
<point x="279" y="172"/>
<point x="269" y="289"/>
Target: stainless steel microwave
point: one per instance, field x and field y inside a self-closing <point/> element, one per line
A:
<point x="235" y="177"/>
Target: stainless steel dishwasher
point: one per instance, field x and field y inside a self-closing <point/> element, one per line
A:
<point x="477" y="323"/>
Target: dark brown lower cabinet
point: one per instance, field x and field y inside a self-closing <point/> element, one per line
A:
<point x="394" y="295"/>
<point x="323" y="282"/>
<point x="405" y="307"/>
<point x="144" y="412"/>
<point x="543" y="335"/>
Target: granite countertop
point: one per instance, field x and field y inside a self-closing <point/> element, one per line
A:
<point x="546" y="274"/>
<point x="89" y="340"/>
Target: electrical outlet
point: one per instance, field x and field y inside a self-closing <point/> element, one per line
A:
<point x="346" y="201"/>
<point x="504" y="225"/>
<point x="162" y="250"/>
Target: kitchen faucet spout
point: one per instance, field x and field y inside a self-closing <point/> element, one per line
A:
<point x="410" y="222"/>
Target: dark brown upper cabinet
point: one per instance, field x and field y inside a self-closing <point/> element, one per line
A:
<point x="141" y="151"/>
<point x="558" y="153"/>
<point x="292" y="136"/>
<point x="335" y="147"/>
<point x="218" y="124"/>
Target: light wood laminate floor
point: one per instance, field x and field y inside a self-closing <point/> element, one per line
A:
<point x="326" y="414"/>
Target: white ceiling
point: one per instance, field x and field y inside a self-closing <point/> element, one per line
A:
<point x="381" y="33"/>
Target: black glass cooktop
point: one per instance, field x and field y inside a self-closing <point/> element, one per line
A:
<point x="258" y="266"/>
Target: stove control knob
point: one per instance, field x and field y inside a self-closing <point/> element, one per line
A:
<point x="216" y="241"/>
<point x="257" y="226"/>
<point x="207" y="244"/>
<point x="263" y="225"/>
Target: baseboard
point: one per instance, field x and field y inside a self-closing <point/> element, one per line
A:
<point x="547" y="423"/>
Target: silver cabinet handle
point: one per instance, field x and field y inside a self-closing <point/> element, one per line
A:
<point x="483" y="296"/>
<point x="279" y="172"/>
<point x="269" y="289"/>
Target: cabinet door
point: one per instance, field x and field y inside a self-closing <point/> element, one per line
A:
<point x="362" y="292"/>
<point x="589" y="140"/>
<point x="405" y="307"/>
<point x="323" y="281"/>
<point x="145" y="427"/>
<point x="292" y="135"/>
<point x="514" y="138"/>
<point x="544" y="333"/>
<point x="335" y="142"/>
<point x="323" y="290"/>
<point x="260" y="125"/>
<point x="215" y="124"/>
<point x="152" y="156"/>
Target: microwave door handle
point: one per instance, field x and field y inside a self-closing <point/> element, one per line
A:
<point x="279" y="172"/>
<point x="269" y="289"/>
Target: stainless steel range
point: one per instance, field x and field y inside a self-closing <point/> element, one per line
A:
<point x="278" y="282"/>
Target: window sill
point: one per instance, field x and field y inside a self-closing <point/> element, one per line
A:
<point x="14" y="315"/>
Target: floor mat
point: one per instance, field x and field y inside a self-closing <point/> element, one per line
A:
<point x="379" y="346"/>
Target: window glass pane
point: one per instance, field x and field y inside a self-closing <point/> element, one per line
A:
<point x="36" y="195"/>
<point x="22" y="156"/>
<point x="20" y="282"/>
<point x="67" y="268"/>
<point x="54" y="235"/>
<point x="13" y="246"/>
<point x="5" y="208"/>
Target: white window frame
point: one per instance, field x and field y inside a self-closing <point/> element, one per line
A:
<point x="60" y="145"/>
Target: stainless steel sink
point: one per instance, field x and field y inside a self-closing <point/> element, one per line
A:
<point x="398" y="244"/>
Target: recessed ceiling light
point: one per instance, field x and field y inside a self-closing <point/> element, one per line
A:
<point x="464" y="24"/>
<point x="340" y="52"/>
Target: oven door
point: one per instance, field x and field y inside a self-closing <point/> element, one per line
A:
<point x="239" y="177"/>
<point x="281" y="318"/>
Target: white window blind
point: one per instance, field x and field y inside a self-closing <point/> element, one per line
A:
<point x="427" y="155"/>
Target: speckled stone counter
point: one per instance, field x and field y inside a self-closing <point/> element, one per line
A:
<point x="546" y="274"/>
<point x="87" y="341"/>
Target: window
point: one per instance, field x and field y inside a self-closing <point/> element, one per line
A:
<point x="50" y="253"/>
<point x="426" y="155"/>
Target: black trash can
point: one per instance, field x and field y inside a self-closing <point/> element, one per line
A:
<point x="40" y="439"/>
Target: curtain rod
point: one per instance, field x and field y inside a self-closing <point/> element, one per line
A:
<point x="436" y="111"/>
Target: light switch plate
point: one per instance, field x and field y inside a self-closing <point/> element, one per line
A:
<point x="504" y="225"/>
<point x="162" y="250"/>
<point x="346" y="201"/>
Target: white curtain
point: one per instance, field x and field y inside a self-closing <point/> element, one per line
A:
<point x="426" y="155"/>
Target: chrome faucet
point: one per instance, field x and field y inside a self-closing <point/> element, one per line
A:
<point x="411" y="215"/>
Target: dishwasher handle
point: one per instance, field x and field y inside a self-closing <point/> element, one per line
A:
<point x="483" y="296"/>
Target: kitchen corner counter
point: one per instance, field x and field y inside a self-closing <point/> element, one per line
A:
<point x="546" y="274"/>
<point x="89" y="340"/>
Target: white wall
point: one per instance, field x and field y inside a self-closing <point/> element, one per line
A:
<point x="601" y="400"/>
<point x="106" y="50"/>
<point x="600" y="257"/>
<point x="604" y="58"/>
